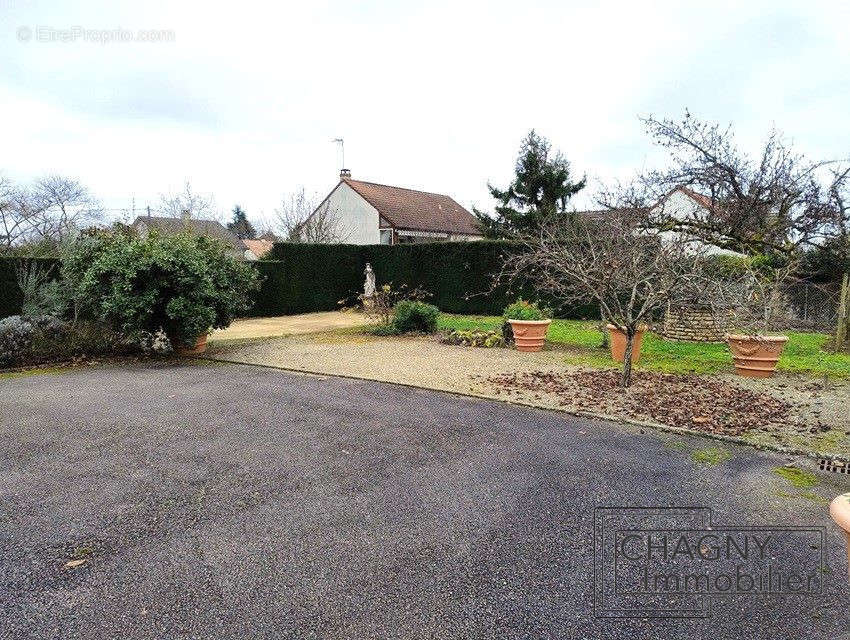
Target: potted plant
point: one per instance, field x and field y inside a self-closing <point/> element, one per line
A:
<point x="181" y="285"/>
<point x="619" y="340"/>
<point x="529" y="324"/>
<point x="755" y="356"/>
<point x="755" y="305"/>
<point x="839" y="509"/>
<point x="189" y="346"/>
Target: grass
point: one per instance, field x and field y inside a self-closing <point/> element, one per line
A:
<point x="804" y="353"/>
<point x="710" y="456"/>
<point x="25" y="373"/>
<point x="806" y="495"/>
<point x="797" y="477"/>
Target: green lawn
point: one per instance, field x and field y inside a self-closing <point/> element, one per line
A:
<point x="581" y="339"/>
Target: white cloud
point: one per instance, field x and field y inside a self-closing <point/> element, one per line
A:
<point x="437" y="96"/>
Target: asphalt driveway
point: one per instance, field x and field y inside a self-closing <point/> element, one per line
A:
<point x="238" y="501"/>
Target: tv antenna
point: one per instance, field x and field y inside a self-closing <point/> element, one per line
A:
<point x="341" y="144"/>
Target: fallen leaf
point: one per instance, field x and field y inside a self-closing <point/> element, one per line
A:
<point x="75" y="563"/>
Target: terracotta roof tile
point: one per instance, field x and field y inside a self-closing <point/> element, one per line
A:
<point x="416" y="210"/>
<point x="259" y="247"/>
<point x="699" y="198"/>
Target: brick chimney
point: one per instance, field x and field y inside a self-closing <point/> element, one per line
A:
<point x="344" y="173"/>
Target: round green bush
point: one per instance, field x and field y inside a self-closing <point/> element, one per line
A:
<point x="413" y="315"/>
<point x="183" y="285"/>
<point x="522" y="310"/>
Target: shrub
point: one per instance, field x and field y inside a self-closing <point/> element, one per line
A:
<point x="474" y="338"/>
<point x="521" y="310"/>
<point x="42" y="294"/>
<point x="182" y="285"/>
<point x="15" y="340"/>
<point x="381" y="305"/>
<point x="38" y="339"/>
<point x="84" y="339"/>
<point x="414" y="315"/>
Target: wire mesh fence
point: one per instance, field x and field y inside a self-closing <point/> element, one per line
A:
<point x="814" y="305"/>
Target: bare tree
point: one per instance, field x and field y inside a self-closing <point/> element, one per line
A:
<point x="187" y="204"/>
<point x="14" y="214"/>
<point x="56" y="207"/>
<point x="612" y="260"/>
<point x="774" y="202"/>
<point x="839" y="204"/>
<point x="299" y="219"/>
<point x="751" y="296"/>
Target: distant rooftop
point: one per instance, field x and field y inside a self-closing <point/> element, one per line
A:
<point x="206" y="228"/>
<point x="416" y="210"/>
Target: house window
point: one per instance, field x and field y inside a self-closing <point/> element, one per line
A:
<point x="386" y="236"/>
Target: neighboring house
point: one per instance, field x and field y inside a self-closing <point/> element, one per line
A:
<point x="683" y="203"/>
<point x="369" y="213"/>
<point x="209" y="228"/>
<point x="258" y="247"/>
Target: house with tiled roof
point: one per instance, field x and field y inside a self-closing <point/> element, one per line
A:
<point x="372" y="213"/>
<point x="208" y="228"/>
<point x="682" y="204"/>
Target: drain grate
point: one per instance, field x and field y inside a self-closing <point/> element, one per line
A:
<point x="834" y="466"/>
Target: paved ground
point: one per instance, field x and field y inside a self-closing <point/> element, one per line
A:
<point x="237" y="501"/>
<point x="289" y="325"/>
<point x="425" y="362"/>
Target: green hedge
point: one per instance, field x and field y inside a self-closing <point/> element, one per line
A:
<point x="457" y="274"/>
<point x="302" y="278"/>
<point x="11" y="297"/>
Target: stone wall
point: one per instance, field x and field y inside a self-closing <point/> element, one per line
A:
<point x="693" y="325"/>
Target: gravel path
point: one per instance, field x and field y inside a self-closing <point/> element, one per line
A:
<point x="425" y="362"/>
<point x="276" y="326"/>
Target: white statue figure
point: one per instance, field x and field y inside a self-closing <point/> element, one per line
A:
<point x="369" y="285"/>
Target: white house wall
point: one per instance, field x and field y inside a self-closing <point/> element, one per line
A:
<point x="358" y="220"/>
<point x="682" y="207"/>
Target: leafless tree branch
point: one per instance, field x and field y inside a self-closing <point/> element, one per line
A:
<point x="299" y="219"/>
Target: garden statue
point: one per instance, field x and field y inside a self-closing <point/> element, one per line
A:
<point x="369" y="285"/>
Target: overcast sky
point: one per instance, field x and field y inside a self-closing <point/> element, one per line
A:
<point x="244" y="99"/>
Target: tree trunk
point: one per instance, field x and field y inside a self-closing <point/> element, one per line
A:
<point x="626" y="379"/>
<point x="842" y="330"/>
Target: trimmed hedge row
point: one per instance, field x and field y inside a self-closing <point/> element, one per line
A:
<point x="11" y="297"/>
<point x="457" y="274"/>
<point x="302" y="278"/>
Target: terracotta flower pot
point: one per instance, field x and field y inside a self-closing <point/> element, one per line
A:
<point x="839" y="509"/>
<point x="618" y="343"/>
<point x="200" y="347"/>
<point x="756" y="356"/>
<point x="529" y="335"/>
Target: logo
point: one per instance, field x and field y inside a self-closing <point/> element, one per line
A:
<point x="672" y="562"/>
